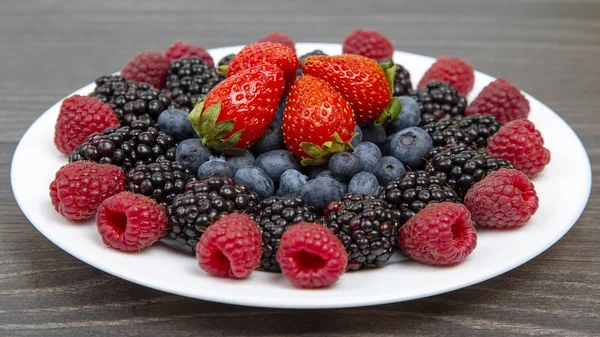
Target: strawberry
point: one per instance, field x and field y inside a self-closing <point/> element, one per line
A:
<point x="317" y="121"/>
<point x="265" y="52"/>
<point x="237" y="111"/>
<point x="366" y="85"/>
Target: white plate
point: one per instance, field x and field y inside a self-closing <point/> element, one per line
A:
<point x="36" y="160"/>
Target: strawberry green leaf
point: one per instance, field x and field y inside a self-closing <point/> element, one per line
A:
<point x="223" y="70"/>
<point x="194" y="116"/>
<point x="390" y="71"/>
<point x="320" y="154"/>
<point x="222" y="129"/>
<point x="392" y="111"/>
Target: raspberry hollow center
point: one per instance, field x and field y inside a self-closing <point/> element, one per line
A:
<point x="117" y="220"/>
<point x="220" y="261"/>
<point x="307" y="260"/>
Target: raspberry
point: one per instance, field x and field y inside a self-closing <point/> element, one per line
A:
<point x="504" y="199"/>
<point x="79" y="188"/>
<point x="368" y="43"/>
<point x="501" y="99"/>
<point x="441" y="234"/>
<point x="311" y="256"/>
<point x="452" y="70"/>
<point x="79" y="117"/>
<point x="181" y="49"/>
<point x="520" y="143"/>
<point x="150" y="67"/>
<point x="277" y="37"/>
<point x="130" y="222"/>
<point x="231" y="247"/>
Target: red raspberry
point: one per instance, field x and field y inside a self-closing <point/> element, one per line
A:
<point x="79" y="117"/>
<point x="441" y="234"/>
<point x="504" y="199"/>
<point x="501" y="99"/>
<point x="130" y="222"/>
<point x="150" y="67"/>
<point x="452" y="70"/>
<point x="368" y="43"/>
<point x="231" y="247"/>
<point x="311" y="256"/>
<point x="181" y="49"/>
<point x="80" y="187"/>
<point x="279" y="38"/>
<point x="521" y="144"/>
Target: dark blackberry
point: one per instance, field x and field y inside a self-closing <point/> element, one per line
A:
<point x="160" y="181"/>
<point x="127" y="146"/>
<point x="316" y="52"/>
<point x="226" y="60"/>
<point x="274" y="216"/>
<point x="440" y="100"/>
<point x="106" y="86"/>
<point x="472" y="130"/>
<point x="135" y="100"/>
<point x="414" y="190"/>
<point x="188" y="80"/>
<point x="402" y="82"/>
<point x="367" y="227"/>
<point x="462" y="165"/>
<point x="203" y="203"/>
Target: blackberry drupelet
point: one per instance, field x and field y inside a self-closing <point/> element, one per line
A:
<point x="127" y="146"/>
<point x="402" y="82"/>
<point x="106" y="86"/>
<point x="226" y="60"/>
<point x="160" y="181"/>
<point x="463" y="166"/>
<point x="135" y="100"/>
<point x="367" y="226"/>
<point x="472" y="130"/>
<point x="203" y="203"/>
<point x="440" y="100"/>
<point x="316" y="52"/>
<point x="414" y="190"/>
<point x="274" y="216"/>
<point x="188" y="80"/>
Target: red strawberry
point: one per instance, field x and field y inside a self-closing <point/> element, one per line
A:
<point x="237" y="111"/>
<point x="366" y="85"/>
<point x="317" y="121"/>
<point x="277" y="37"/>
<point x="266" y="52"/>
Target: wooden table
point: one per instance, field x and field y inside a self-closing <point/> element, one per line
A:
<point x="550" y="49"/>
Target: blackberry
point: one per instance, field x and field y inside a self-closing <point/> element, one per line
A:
<point x="472" y="130"/>
<point x="414" y="190"/>
<point x="134" y="100"/>
<point x="274" y="216"/>
<point x="188" y="80"/>
<point x="440" y="100"/>
<point x="463" y="166"/>
<point x="226" y="60"/>
<point x="316" y="52"/>
<point x="127" y="146"/>
<point x="367" y="227"/>
<point x="402" y="82"/>
<point x="106" y="86"/>
<point x="160" y="181"/>
<point x="203" y="203"/>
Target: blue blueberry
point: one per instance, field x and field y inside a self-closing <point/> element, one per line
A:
<point x="358" y="136"/>
<point x="175" y="122"/>
<point x="271" y="140"/>
<point x="344" y="165"/>
<point x="291" y="182"/>
<point x="327" y="174"/>
<point x="192" y="153"/>
<point x="410" y="146"/>
<point x="239" y="161"/>
<point x="215" y="168"/>
<point x="368" y="148"/>
<point x="373" y="134"/>
<point x="364" y="183"/>
<point x="368" y="155"/>
<point x="408" y="117"/>
<point x="321" y="191"/>
<point x="390" y="168"/>
<point x="256" y="179"/>
<point x="276" y="162"/>
<point x="313" y="171"/>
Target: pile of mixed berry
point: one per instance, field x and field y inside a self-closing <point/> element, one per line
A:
<point x="309" y="166"/>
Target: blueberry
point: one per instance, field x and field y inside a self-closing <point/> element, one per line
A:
<point x="271" y="140"/>
<point x="276" y="162"/>
<point x="390" y="168"/>
<point x="358" y="136"/>
<point x="368" y="155"/>
<point x="373" y="134"/>
<point x="239" y="161"/>
<point x="410" y="146"/>
<point x="326" y="173"/>
<point x="256" y="179"/>
<point x="408" y="117"/>
<point x="313" y="171"/>
<point x="291" y="182"/>
<point x="192" y="153"/>
<point x="368" y="148"/>
<point x="215" y="168"/>
<point x="319" y="192"/>
<point x="176" y="123"/>
<point x="344" y="165"/>
<point x="364" y="183"/>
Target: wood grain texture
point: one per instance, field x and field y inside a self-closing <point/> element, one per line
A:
<point x="49" y="48"/>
